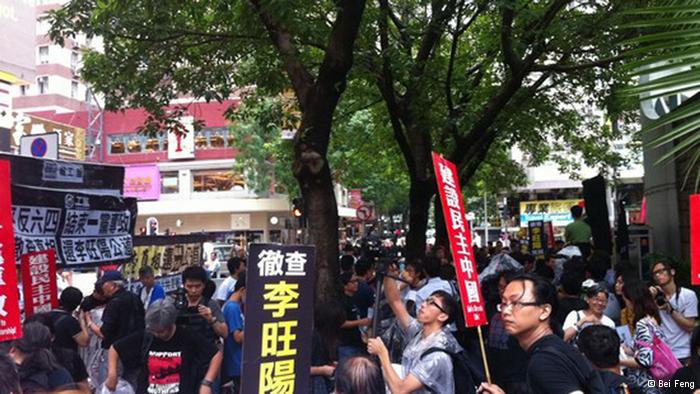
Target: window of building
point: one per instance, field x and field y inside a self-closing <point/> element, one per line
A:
<point x="43" y="84"/>
<point x="213" y="138"/>
<point x="116" y="144"/>
<point x="44" y="54"/>
<point x="169" y="182"/>
<point x="134" y="143"/>
<point x="23" y="89"/>
<point x="74" y="89"/>
<point x="152" y="144"/>
<point x="217" y="180"/>
<point x="74" y="59"/>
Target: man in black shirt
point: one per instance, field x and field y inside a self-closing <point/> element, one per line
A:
<point x="68" y="334"/>
<point x="202" y="314"/>
<point x="123" y="314"/>
<point x="350" y="340"/>
<point x="166" y="358"/>
<point x="554" y="366"/>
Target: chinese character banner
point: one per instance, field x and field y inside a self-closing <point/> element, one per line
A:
<point x="10" y="325"/>
<point x="84" y="229"/>
<point x="460" y="241"/>
<point x="39" y="282"/>
<point x="278" y="319"/>
<point x="695" y="238"/>
<point x="538" y="238"/>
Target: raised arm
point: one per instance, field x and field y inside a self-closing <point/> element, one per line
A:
<point x="393" y="298"/>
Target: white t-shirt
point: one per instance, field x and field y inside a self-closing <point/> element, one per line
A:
<point x="677" y="338"/>
<point x="225" y="288"/>
<point x="574" y="316"/>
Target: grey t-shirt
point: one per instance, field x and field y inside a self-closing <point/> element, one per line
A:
<point x="434" y="371"/>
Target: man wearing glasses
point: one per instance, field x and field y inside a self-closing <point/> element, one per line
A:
<point x="554" y="367"/>
<point x="678" y="308"/>
<point x="421" y="374"/>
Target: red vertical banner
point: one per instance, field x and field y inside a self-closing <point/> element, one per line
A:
<point x="39" y="282"/>
<point x="10" y="324"/>
<point x="460" y="241"/>
<point x="549" y="232"/>
<point x="695" y="238"/>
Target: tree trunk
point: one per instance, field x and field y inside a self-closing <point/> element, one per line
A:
<point x="419" y="199"/>
<point x="441" y="238"/>
<point x="322" y="223"/>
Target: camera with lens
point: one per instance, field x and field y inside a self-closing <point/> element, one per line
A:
<point x="180" y="299"/>
<point x="660" y="299"/>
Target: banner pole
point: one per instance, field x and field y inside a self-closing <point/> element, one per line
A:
<point x="483" y="355"/>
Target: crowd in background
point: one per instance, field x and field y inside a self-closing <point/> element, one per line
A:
<point x="564" y="322"/>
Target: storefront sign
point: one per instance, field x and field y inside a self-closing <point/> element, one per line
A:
<point x="39" y="282"/>
<point x="10" y="324"/>
<point x="142" y="182"/>
<point x="181" y="145"/>
<point x="538" y="238"/>
<point x="85" y="229"/>
<point x="695" y="238"/>
<point x="460" y="241"/>
<point x="278" y="320"/>
<point x="556" y="211"/>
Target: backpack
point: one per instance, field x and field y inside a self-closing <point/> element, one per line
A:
<point x="466" y="375"/>
<point x="665" y="363"/>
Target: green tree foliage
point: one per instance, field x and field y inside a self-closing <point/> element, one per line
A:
<point x="466" y="78"/>
<point x="669" y="49"/>
<point x="158" y="50"/>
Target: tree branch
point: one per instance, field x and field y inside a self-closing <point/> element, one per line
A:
<point x="300" y="77"/>
<point x="385" y="81"/>
<point x="510" y="58"/>
<point x="558" y="67"/>
<point x="480" y="150"/>
<point x="432" y="35"/>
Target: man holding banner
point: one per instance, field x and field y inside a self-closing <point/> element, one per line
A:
<point x="424" y="371"/>
<point x="554" y="366"/>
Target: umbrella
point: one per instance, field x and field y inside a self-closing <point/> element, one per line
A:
<point x="499" y="263"/>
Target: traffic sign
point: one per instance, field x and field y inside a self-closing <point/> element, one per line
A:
<point x="44" y="146"/>
<point x="363" y="212"/>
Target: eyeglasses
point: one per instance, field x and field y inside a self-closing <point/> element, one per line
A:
<point x="517" y="305"/>
<point x="660" y="272"/>
<point x="599" y="301"/>
<point x="431" y="301"/>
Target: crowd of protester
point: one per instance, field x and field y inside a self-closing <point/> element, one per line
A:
<point x="566" y="321"/>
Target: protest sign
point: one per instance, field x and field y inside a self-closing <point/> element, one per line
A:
<point x="549" y="233"/>
<point x="460" y="241"/>
<point x="10" y="324"/>
<point x="85" y="229"/>
<point x="166" y="255"/>
<point x="537" y="234"/>
<point x="39" y="282"/>
<point x="58" y="174"/>
<point x="695" y="238"/>
<point x="278" y="319"/>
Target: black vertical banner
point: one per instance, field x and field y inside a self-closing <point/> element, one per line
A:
<point x="538" y="240"/>
<point x="278" y="319"/>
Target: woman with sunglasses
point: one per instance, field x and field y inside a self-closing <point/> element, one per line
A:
<point x="597" y="299"/>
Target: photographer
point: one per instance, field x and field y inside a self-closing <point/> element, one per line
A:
<point x="678" y="308"/>
<point x="197" y="312"/>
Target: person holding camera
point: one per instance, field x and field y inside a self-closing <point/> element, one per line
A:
<point x="199" y="313"/>
<point x="678" y="308"/>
